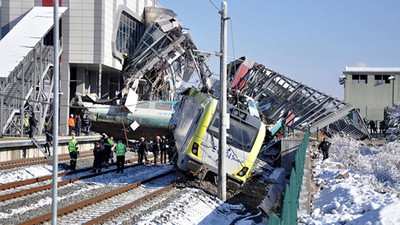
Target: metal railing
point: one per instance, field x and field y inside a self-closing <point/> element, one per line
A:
<point x="27" y="89"/>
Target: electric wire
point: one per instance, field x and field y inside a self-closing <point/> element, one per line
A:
<point x="214" y="5"/>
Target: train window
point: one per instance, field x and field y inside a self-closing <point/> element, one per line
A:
<point x="239" y="133"/>
<point x="164" y="106"/>
<point x="143" y="105"/>
<point x="242" y="133"/>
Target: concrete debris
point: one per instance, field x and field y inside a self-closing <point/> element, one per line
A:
<point x="392" y="123"/>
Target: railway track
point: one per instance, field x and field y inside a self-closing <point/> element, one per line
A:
<point x="99" y="208"/>
<point x="38" y="184"/>
<point x="35" y="161"/>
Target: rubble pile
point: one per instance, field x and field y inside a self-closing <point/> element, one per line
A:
<point x="392" y="116"/>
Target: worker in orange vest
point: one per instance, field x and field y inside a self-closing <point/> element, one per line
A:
<point x="71" y="124"/>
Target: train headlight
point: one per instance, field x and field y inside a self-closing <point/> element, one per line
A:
<point x="243" y="171"/>
<point x="195" y="148"/>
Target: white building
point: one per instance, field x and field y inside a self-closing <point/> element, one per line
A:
<point x="95" y="34"/>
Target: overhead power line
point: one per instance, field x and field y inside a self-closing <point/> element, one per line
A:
<point x="214" y="5"/>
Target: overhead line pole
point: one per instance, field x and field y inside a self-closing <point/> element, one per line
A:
<point x="224" y="119"/>
<point x="56" y="79"/>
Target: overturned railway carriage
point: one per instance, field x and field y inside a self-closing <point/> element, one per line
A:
<point x="197" y="138"/>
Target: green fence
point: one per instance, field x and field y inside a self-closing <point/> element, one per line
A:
<point x="292" y="190"/>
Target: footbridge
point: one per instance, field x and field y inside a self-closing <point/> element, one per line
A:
<point x="26" y="71"/>
<point x="292" y="103"/>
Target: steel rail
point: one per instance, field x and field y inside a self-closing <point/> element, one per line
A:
<point x="60" y="183"/>
<point x="128" y="206"/>
<point x="44" y="218"/>
<point x="39" y="179"/>
<point x="41" y="161"/>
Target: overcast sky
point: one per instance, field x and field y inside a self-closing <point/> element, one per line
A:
<point x="309" y="41"/>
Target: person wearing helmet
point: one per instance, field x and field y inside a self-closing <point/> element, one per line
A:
<point x="120" y="150"/>
<point x="71" y="124"/>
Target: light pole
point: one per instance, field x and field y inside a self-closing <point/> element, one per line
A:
<point x="392" y="78"/>
<point x="222" y="100"/>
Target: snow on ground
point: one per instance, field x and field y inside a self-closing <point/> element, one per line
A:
<point x="370" y="194"/>
<point x="196" y="207"/>
<point x="26" y="173"/>
<point x="358" y="184"/>
<point x="193" y="207"/>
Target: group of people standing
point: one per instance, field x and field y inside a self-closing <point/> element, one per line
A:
<point x="160" y="146"/>
<point x="103" y="153"/>
<point x="75" y="124"/>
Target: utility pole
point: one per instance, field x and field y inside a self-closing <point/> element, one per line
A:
<point x="56" y="91"/>
<point x="224" y="119"/>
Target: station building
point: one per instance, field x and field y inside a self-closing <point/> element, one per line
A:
<point x="94" y="36"/>
<point x="371" y="89"/>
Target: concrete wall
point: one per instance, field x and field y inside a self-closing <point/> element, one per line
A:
<point x="371" y="98"/>
<point x="36" y="153"/>
<point x="10" y="152"/>
<point x="289" y="147"/>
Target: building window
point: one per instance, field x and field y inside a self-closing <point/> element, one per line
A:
<point x="129" y="33"/>
<point x="359" y="79"/>
<point x="382" y="79"/>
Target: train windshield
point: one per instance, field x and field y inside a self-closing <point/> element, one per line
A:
<point x="239" y="133"/>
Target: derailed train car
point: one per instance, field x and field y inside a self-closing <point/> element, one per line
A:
<point x="151" y="118"/>
<point x="197" y="138"/>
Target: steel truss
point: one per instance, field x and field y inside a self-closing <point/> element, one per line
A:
<point x="295" y="104"/>
<point x="165" y="58"/>
<point x="28" y="88"/>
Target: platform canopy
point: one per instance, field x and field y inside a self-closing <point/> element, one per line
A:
<point x="24" y="36"/>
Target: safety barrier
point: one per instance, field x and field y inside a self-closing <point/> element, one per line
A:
<point x="292" y="190"/>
